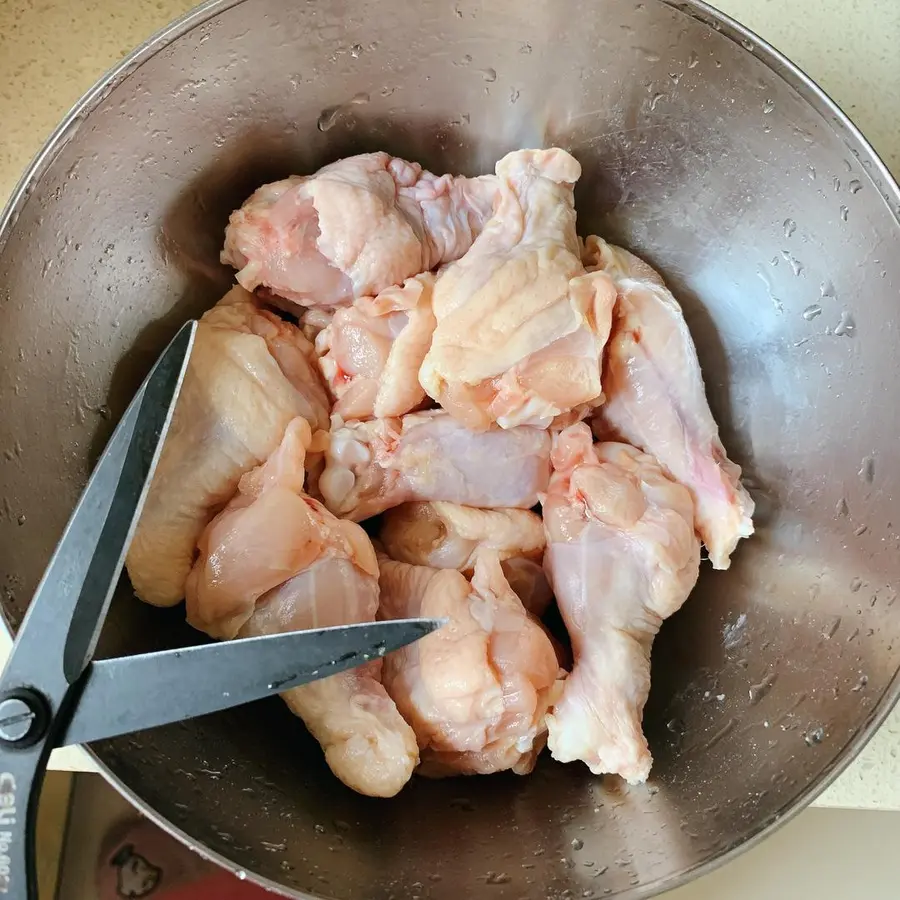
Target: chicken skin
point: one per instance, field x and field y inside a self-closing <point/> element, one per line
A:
<point x="520" y="326"/>
<point x="275" y="560"/>
<point x="656" y="399"/>
<point x="477" y="690"/>
<point x="621" y="557"/>
<point x="370" y="353"/>
<point x="354" y="228"/>
<point x="372" y="466"/>
<point x="249" y="374"/>
<point x="449" y="536"/>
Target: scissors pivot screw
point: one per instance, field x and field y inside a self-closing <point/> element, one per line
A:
<point x="22" y="718"/>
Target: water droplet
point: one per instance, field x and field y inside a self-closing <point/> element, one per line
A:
<point x="747" y="44"/>
<point x="855" y="585"/>
<point x="319" y="829"/>
<point x="20" y="521"/>
<point x="513" y="95"/>
<point x="489" y="74"/>
<point x="811" y="312"/>
<point x="846" y="327"/>
<point x="274" y="847"/>
<point x="863" y="681"/>
<point x="654" y="100"/>
<point x="465" y="61"/>
<point x="525" y="48"/>
<point x="790" y="226"/>
<point x="241" y="875"/>
<point x="577" y="844"/>
<point x="861" y="531"/>
<point x="811" y="172"/>
<point x="796" y="265"/>
<point x="831" y="628"/>
<point x="693" y="60"/>
<point x="768" y="106"/>
<point x="814" y="736"/>
<point x="498" y="878"/>
<point x="675" y="77"/>
<point x="758" y="691"/>
<point x="328" y="117"/>
<point x="844" y="213"/>
<point x="867" y="469"/>
<point x="718" y="64"/>
<point x="355" y="50"/>
<point x="387" y="91"/>
<point x="836" y="183"/>
<point x="855" y="186"/>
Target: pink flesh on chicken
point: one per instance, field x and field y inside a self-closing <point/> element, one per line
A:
<point x="371" y="352"/>
<point x="354" y="228"/>
<point x="656" y="399"/>
<point x="621" y="557"/>
<point x="275" y="560"/>
<point x="249" y="374"/>
<point x="476" y="691"/>
<point x="520" y="326"/>
<point x="450" y="536"/>
<point x="372" y="466"/>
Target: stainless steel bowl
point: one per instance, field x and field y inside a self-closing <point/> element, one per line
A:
<point x="703" y="150"/>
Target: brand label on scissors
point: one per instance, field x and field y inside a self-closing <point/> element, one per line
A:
<point x="7" y="819"/>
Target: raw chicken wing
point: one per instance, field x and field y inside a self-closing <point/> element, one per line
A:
<point x="275" y="560"/>
<point x="521" y="327"/>
<point x="477" y="691"/>
<point x="249" y="374"/>
<point x="354" y="228"/>
<point x="656" y="399"/>
<point x="372" y="466"/>
<point x="371" y="352"/>
<point x="621" y="557"/>
<point x="449" y="536"/>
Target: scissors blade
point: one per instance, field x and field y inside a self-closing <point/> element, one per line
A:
<point x="138" y="692"/>
<point x="72" y="599"/>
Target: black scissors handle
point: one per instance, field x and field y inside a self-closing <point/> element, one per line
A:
<point x="56" y="640"/>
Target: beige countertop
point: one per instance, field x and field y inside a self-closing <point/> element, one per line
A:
<point x="52" y="51"/>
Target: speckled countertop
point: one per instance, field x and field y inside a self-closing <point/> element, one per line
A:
<point x="52" y="51"/>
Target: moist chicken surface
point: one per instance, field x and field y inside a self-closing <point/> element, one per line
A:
<point x="372" y="466"/>
<point x="477" y="690"/>
<point x="275" y="560"/>
<point x="521" y="327"/>
<point x="249" y="374"/>
<point x="353" y="228"/>
<point x="621" y="556"/>
<point x="370" y="352"/>
<point x="656" y="399"/>
<point x="450" y="536"/>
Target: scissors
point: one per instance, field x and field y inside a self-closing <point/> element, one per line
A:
<point x="53" y="694"/>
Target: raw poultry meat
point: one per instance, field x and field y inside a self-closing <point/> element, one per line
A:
<point x="276" y="560"/>
<point x="621" y="557"/>
<point x="250" y="373"/>
<point x="353" y="228"/>
<point x="450" y="536"/>
<point x="477" y="690"/>
<point x="372" y="466"/>
<point x="521" y="327"/>
<point x="656" y="399"/>
<point x="371" y="352"/>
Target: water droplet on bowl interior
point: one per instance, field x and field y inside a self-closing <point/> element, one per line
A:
<point x="846" y="327"/>
<point x="768" y="106"/>
<point x="811" y="312"/>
